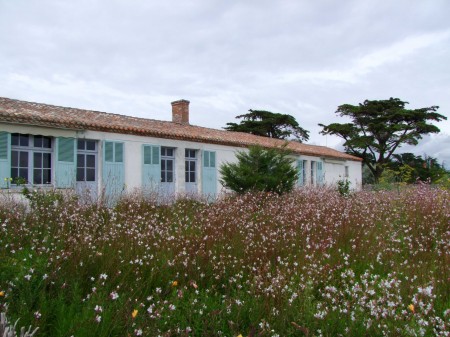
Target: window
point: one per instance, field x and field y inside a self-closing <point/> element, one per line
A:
<point x="31" y="159"/>
<point x="346" y="175"/>
<point x="190" y="166"/>
<point x="167" y="164"/>
<point x="304" y="166"/>
<point x="313" y="172"/>
<point x="86" y="160"/>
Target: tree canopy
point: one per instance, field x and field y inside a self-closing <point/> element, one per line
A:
<point x="379" y="127"/>
<point x="269" y="124"/>
<point x="260" y="169"/>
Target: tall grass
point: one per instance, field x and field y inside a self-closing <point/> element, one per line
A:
<point x="309" y="263"/>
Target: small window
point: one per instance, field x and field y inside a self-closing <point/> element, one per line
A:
<point x="19" y="139"/>
<point x="190" y="153"/>
<point x="42" y="142"/>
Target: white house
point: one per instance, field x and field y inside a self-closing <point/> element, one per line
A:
<point x="103" y="152"/>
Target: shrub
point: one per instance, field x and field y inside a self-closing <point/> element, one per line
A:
<point x="343" y="187"/>
<point x="259" y="169"/>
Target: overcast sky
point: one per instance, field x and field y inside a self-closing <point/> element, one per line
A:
<point x="303" y="58"/>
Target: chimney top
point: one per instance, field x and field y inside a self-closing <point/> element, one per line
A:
<point x="180" y="111"/>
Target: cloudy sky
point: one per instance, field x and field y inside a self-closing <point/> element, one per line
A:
<point x="298" y="57"/>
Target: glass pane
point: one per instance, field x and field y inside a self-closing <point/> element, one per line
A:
<point x="37" y="176"/>
<point x="47" y="160"/>
<point x="170" y="165"/>
<point x="14" y="139"/>
<point x="163" y="177"/>
<point x="23" y="140"/>
<point x="14" y="158"/>
<point x="192" y="177"/>
<point x="37" y="141"/>
<point x="169" y="177"/>
<point x="23" y="159"/>
<point x="90" y="145"/>
<point x="163" y="151"/>
<point x="23" y="172"/>
<point x="186" y="153"/>
<point x="186" y="177"/>
<point x="46" y="142"/>
<point x="170" y="152"/>
<point x="80" y="160"/>
<point x="80" y="174"/>
<point x="46" y="176"/>
<point x="186" y="166"/>
<point x="163" y="165"/>
<point x="192" y="165"/>
<point x="80" y="144"/>
<point x="37" y="162"/>
<point x="14" y="172"/>
<point x="90" y="160"/>
<point x="90" y="174"/>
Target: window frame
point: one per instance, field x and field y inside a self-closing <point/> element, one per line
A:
<point x="32" y="151"/>
<point x="190" y="157"/>
<point x="87" y="152"/>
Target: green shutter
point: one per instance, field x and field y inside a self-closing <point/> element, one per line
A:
<point x="109" y="152"/>
<point x="118" y="152"/>
<point x="65" y="166"/>
<point x="5" y="161"/>
<point x="300" y="172"/>
<point x="209" y="175"/>
<point x="319" y="177"/>
<point x="151" y="167"/>
<point x="147" y="154"/>
<point x="66" y="149"/>
<point x="113" y="173"/>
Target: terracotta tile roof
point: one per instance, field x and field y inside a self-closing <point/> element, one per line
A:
<point x="21" y="112"/>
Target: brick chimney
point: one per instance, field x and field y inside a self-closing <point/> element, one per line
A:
<point x="180" y="111"/>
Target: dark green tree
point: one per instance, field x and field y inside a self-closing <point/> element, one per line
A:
<point x="379" y="128"/>
<point x="260" y="169"/>
<point x="269" y="124"/>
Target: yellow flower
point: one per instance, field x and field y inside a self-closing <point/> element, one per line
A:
<point x="174" y="283"/>
<point x="411" y="307"/>
<point x="239" y="335"/>
<point x="2" y="293"/>
<point x="134" y="313"/>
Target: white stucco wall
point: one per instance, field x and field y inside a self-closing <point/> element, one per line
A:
<point x="334" y="170"/>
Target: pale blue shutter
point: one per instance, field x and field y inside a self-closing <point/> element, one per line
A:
<point x="320" y="177"/>
<point x="151" y="167"/>
<point x="209" y="175"/>
<point x="113" y="176"/>
<point x="300" y="172"/>
<point x="5" y="159"/>
<point x="65" y="164"/>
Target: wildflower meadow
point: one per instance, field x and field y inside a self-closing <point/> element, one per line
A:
<point x="307" y="263"/>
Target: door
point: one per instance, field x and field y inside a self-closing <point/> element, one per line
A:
<point x="209" y="175"/>
<point x="87" y="168"/>
<point x="167" y="171"/>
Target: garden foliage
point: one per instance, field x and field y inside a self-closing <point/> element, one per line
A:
<point x="303" y="263"/>
<point x="260" y="169"/>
